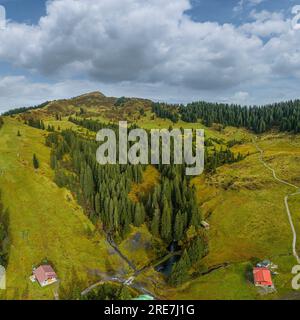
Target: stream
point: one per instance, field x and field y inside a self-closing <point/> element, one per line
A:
<point x="166" y="266"/>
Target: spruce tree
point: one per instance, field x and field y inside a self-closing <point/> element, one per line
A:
<point x="180" y="270"/>
<point x="35" y="161"/>
<point x="166" y="222"/>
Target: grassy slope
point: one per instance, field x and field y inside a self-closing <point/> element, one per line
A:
<point x="246" y="212"/>
<point x="150" y="179"/>
<point x="45" y="221"/>
<point x="245" y="209"/>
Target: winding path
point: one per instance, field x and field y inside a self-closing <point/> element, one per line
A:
<point x="286" y="199"/>
<point x="112" y="243"/>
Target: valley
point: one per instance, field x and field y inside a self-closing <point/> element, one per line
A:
<point x="242" y="202"/>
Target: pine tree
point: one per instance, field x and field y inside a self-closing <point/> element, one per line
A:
<point x="166" y="222"/>
<point x="155" y="223"/>
<point x="97" y="204"/>
<point x="139" y="217"/>
<point x="35" y="161"/>
<point x="180" y="270"/>
<point x="178" y="226"/>
<point x="197" y="249"/>
<point x="53" y="161"/>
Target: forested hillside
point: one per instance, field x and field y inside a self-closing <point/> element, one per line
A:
<point x="145" y="217"/>
<point x="284" y="116"/>
<point x="169" y="210"/>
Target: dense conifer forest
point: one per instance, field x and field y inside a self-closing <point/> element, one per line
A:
<point x="169" y="210"/>
<point x="166" y="111"/>
<point x="284" y="116"/>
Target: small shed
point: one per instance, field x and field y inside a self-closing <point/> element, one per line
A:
<point x="205" y="225"/>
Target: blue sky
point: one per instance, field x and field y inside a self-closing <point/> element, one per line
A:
<point x="239" y="51"/>
<point x="24" y="10"/>
<point x="203" y="10"/>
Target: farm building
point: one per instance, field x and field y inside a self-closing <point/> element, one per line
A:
<point x="262" y="277"/>
<point x="44" y="275"/>
<point x="205" y="225"/>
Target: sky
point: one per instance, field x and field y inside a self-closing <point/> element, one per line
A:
<point x="178" y="51"/>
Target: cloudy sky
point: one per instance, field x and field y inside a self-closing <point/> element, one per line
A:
<point x="240" y="51"/>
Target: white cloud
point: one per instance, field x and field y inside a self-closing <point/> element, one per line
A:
<point x="151" y="44"/>
<point x="133" y="40"/>
<point x="240" y="97"/>
<point x="19" y="91"/>
<point x="246" y="3"/>
<point x="266" y="24"/>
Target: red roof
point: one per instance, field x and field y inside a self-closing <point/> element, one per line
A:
<point x="44" y="273"/>
<point x="262" y="277"/>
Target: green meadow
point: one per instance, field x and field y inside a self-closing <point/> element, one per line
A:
<point x="242" y="202"/>
<point x="45" y="221"/>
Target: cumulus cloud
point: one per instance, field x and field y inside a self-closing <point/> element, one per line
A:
<point x="16" y="91"/>
<point x="246" y="3"/>
<point x="240" y="97"/>
<point x="150" y="43"/>
<point x="132" y="40"/>
<point x="266" y="24"/>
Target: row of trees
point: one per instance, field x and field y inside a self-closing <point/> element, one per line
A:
<point x="110" y="292"/>
<point x="215" y="158"/>
<point x="93" y="125"/>
<point x="39" y="124"/>
<point x="4" y="235"/>
<point x="24" y="109"/>
<point x="4" y="225"/>
<point x="284" y="116"/>
<point x="165" y="111"/>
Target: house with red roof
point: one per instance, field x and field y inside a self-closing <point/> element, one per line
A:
<point x="44" y="275"/>
<point x="262" y="277"/>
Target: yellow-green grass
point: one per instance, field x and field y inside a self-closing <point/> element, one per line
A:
<point x="228" y="283"/>
<point x="245" y="208"/>
<point x="150" y="179"/>
<point x="234" y="283"/>
<point x="248" y="205"/>
<point x="246" y="212"/>
<point x="242" y="203"/>
<point x="141" y="247"/>
<point x="45" y="221"/>
<point x="158" y="123"/>
<point x="247" y="216"/>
